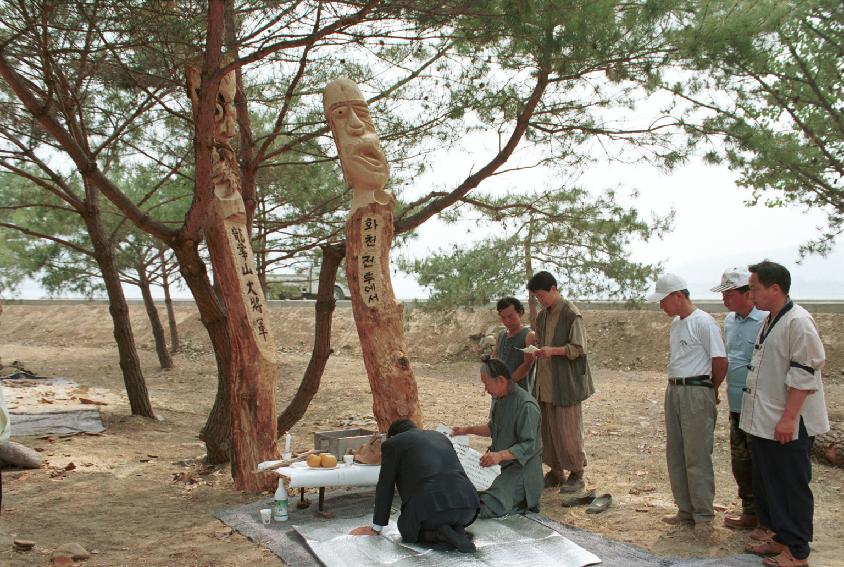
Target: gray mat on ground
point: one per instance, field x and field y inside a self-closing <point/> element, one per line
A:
<point x="501" y="542"/>
<point x="56" y="423"/>
<point x="285" y="542"/>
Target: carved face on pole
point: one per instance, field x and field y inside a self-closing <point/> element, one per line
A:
<point x="225" y="116"/>
<point x="364" y="164"/>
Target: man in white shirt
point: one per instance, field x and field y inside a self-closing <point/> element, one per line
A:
<point x="696" y="368"/>
<point x="741" y="326"/>
<point x="783" y="409"/>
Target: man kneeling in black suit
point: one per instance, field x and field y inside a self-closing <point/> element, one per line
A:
<point x="437" y="498"/>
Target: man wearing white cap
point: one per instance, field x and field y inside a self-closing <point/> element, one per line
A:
<point x="696" y="368"/>
<point x="741" y="325"/>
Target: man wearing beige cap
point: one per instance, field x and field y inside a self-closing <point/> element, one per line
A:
<point x="741" y="325"/>
<point x="697" y="366"/>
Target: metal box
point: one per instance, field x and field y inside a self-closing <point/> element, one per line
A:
<point x="338" y="442"/>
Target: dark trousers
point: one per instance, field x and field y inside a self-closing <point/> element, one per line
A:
<point x="741" y="462"/>
<point x="457" y="518"/>
<point x="784" y="501"/>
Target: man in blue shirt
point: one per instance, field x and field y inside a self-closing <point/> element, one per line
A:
<point x="741" y="326"/>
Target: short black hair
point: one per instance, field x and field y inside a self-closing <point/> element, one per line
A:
<point x="685" y="293"/>
<point x="400" y="426"/>
<point x="770" y="273"/>
<point x="494" y="368"/>
<point x="506" y="302"/>
<point x="541" y="281"/>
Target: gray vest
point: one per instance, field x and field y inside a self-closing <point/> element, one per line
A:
<point x="571" y="379"/>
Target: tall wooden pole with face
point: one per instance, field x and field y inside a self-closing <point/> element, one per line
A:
<point x="254" y="367"/>
<point x="369" y="237"/>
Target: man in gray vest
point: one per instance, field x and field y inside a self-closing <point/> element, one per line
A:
<point x="563" y="381"/>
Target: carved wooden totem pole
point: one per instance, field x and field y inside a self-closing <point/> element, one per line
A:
<point x="254" y="367"/>
<point x="369" y="236"/>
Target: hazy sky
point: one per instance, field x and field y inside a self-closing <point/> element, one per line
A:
<point x="713" y="230"/>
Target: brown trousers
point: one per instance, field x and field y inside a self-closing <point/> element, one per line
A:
<point x="562" y="437"/>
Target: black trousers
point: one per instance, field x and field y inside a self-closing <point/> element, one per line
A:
<point x="458" y="517"/>
<point x="784" y="501"/>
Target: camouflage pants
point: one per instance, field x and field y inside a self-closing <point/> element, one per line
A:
<point x="742" y="464"/>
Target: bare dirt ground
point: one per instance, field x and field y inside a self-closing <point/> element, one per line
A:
<point x="139" y="494"/>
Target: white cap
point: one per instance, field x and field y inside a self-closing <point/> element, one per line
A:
<point x="733" y="278"/>
<point x="666" y="284"/>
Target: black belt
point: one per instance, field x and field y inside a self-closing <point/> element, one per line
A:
<point x="702" y="380"/>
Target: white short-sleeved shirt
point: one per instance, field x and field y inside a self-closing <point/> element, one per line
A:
<point x="694" y="342"/>
<point x="791" y="356"/>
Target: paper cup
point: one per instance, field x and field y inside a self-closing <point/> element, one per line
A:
<point x="266" y="514"/>
<point x="348" y="459"/>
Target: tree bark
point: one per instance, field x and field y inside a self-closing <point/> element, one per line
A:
<point x="323" y="312"/>
<point x="252" y="365"/>
<point x="216" y="433"/>
<point x="378" y="317"/>
<point x="130" y="364"/>
<point x="168" y="302"/>
<point x="164" y="358"/>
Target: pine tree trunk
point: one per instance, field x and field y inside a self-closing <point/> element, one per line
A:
<point x="164" y="358"/>
<point x="369" y="237"/>
<point x="168" y="302"/>
<point x="216" y="433"/>
<point x="130" y="364"/>
<point x="323" y="312"/>
<point x="252" y="365"/>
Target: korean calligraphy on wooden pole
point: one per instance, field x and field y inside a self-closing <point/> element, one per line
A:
<point x="369" y="237"/>
<point x="254" y="365"/>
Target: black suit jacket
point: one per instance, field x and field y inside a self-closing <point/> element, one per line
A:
<point x="430" y="479"/>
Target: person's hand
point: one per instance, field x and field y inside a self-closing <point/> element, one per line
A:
<point x="544" y="352"/>
<point x="784" y="431"/>
<point x="490" y="459"/>
<point x="363" y="530"/>
<point x="717" y="397"/>
<point x="459" y="431"/>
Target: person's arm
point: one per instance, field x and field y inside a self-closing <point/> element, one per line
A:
<point x="524" y="368"/>
<point x="479" y="430"/>
<point x="803" y="376"/>
<point x="786" y="428"/>
<point x="527" y="426"/>
<point x="491" y="458"/>
<point x="719" y="372"/>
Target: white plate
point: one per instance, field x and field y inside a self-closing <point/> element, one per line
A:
<point x="323" y="468"/>
<point x="368" y="464"/>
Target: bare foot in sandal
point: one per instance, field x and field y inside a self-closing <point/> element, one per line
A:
<point x="769" y="547"/>
<point x="785" y="559"/>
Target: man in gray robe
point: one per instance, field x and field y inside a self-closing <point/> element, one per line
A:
<point x="514" y="426"/>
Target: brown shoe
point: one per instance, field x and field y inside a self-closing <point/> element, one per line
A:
<point x="573" y="484"/>
<point x="743" y="522"/>
<point x="678" y="519"/>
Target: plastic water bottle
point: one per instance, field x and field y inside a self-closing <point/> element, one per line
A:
<point x="280" y="504"/>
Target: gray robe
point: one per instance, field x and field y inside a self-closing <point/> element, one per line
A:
<point x="514" y="424"/>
